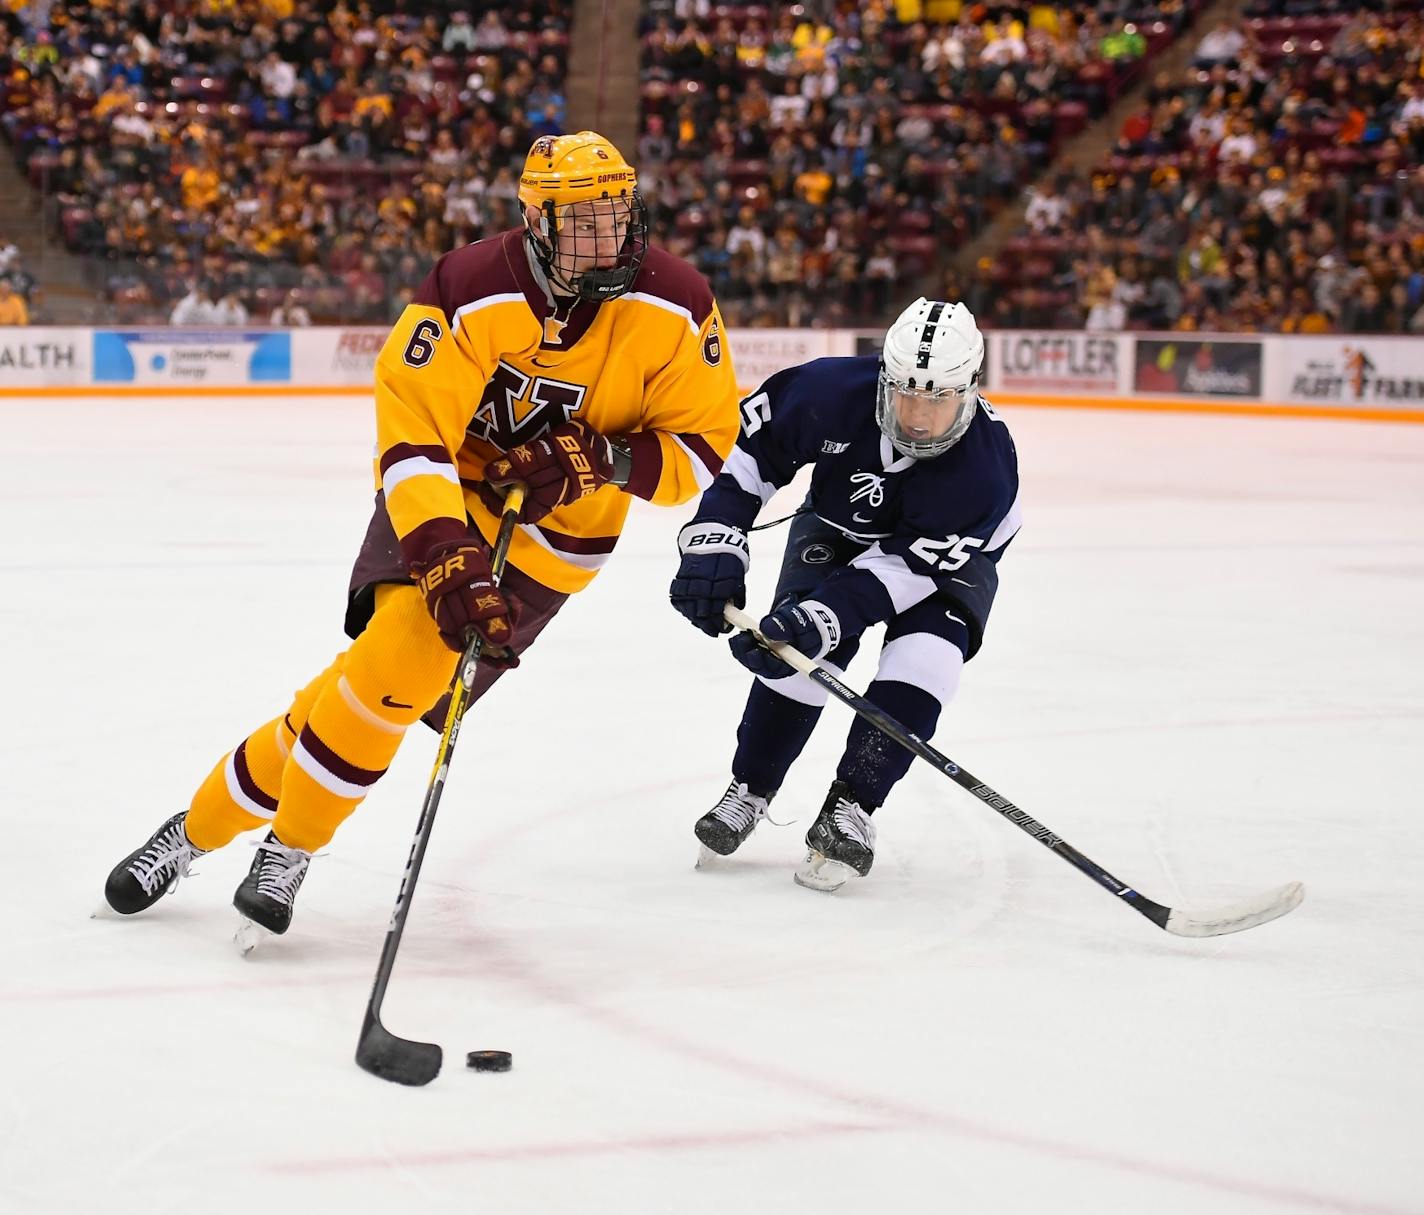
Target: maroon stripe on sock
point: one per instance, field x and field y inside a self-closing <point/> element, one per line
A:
<point x="704" y="452"/>
<point x="405" y="451"/>
<point x="334" y="764"/>
<point x="245" y="781"/>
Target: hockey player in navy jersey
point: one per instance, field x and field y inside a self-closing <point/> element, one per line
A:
<point x="913" y="500"/>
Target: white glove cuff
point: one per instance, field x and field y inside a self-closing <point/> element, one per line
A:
<point x="699" y="539"/>
<point x="827" y="623"/>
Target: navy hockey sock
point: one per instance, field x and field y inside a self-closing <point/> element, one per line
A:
<point x="772" y="732"/>
<point x="873" y="761"/>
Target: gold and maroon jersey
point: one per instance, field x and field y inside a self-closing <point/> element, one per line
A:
<point x="484" y="359"/>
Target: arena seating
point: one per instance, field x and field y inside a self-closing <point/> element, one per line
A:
<point x="333" y="148"/>
<point x="1281" y="191"/>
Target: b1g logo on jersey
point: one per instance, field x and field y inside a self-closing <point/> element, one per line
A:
<point x="517" y="408"/>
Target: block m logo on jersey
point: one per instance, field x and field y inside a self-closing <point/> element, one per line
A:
<point x="868" y="486"/>
<point x="517" y="408"/>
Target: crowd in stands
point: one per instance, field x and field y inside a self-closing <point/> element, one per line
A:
<point x="237" y="160"/>
<point x="812" y="160"/>
<point x="1277" y="187"/>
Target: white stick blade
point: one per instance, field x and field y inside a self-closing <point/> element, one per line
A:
<point x="1240" y="916"/>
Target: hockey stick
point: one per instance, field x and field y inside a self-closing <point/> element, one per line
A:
<point x="1235" y="918"/>
<point x="379" y="1051"/>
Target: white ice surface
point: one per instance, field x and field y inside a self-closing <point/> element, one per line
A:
<point x="1204" y="671"/>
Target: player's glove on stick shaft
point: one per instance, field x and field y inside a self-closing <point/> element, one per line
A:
<point x="461" y="594"/>
<point x="713" y="573"/>
<point x="808" y="626"/>
<point x="561" y="466"/>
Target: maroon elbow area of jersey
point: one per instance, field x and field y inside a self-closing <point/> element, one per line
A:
<point x="416" y="544"/>
<point x="646" y="463"/>
<point x="245" y="782"/>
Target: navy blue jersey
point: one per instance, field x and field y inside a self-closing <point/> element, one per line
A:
<point x="920" y="520"/>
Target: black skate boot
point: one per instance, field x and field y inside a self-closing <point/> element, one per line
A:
<point x="270" y="887"/>
<point x="725" y="827"/>
<point x="143" y="877"/>
<point x="840" y="844"/>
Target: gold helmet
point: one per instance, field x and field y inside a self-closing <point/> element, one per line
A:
<point x="563" y="170"/>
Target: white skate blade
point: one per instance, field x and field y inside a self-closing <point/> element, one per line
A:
<point x="249" y="936"/>
<point x="818" y="873"/>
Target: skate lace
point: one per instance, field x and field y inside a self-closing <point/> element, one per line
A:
<point x="851" y="820"/>
<point x="282" y="871"/>
<point x="166" y="859"/>
<point x="740" y="808"/>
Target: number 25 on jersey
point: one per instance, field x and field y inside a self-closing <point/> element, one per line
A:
<point x="950" y="553"/>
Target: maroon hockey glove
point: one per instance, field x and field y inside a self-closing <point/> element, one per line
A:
<point x="461" y="594"/>
<point x="559" y="467"/>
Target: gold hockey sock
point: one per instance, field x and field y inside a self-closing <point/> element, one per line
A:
<point x="391" y="675"/>
<point x="241" y="792"/>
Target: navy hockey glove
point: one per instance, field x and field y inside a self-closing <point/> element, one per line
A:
<point x="713" y="573"/>
<point x="808" y="626"/>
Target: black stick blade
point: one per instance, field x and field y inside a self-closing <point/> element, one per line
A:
<point x="398" y="1060"/>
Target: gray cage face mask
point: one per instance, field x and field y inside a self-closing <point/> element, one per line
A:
<point x="952" y="409"/>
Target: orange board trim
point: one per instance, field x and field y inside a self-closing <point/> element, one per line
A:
<point x="1046" y="400"/>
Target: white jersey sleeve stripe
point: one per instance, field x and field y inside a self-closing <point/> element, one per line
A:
<point x="417" y="466"/>
<point x="658" y="302"/>
<point x="747" y="474"/>
<point x="700" y="472"/>
<point x="1007" y="528"/>
<point x="508" y="297"/>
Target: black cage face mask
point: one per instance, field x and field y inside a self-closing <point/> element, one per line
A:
<point x="596" y="248"/>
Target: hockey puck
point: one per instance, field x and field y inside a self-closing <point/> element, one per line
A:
<point x="489" y="1060"/>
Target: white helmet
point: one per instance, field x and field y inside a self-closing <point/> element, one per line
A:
<point x="929" y="375"/>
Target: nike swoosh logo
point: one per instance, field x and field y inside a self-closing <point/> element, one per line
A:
<point x="861" y="519"/>
<point x="545" y="366"/>
<point x="961" y="582"/>
<point x="394" y="704"/>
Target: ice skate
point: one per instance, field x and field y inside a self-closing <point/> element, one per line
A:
<point x="840" y="844"/>
<point x="145" y="876"/>
<point x="725" y="827"/>
<point x="268" y="891"/>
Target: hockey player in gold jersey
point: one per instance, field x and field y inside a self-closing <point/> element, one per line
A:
<point x="567" y="355"/>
